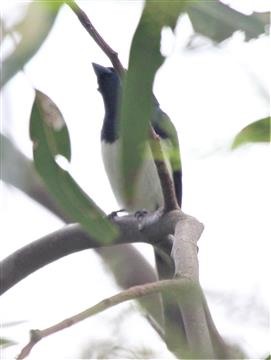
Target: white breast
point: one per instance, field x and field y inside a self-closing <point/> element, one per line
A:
<point x="148" y="193"/>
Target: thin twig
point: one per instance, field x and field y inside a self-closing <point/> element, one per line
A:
<point x="170" y="200"/>
<point x="130" y="294"/>
<point x="83" y="18"/>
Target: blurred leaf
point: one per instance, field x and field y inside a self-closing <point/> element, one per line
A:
<point x="136" y="110"/>
<point x="3" y="31"/>
<point x="218" y="21"/>
<point x="13" y="323"/>
<point x="50" y="138"/>
<point x="258" y="131"/>
<point x="33" y="30"/>
<point x="4" y="342"/>
<point x="11" y="172"/>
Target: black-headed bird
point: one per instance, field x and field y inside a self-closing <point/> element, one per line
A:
<point x="148" y="193"/>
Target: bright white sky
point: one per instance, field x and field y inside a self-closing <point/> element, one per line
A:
<point x="210" y="94"/>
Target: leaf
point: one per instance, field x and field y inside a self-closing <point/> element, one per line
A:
<point x="3" y="30"/>
<point x="219" y="21"/>
<point x="4" y="342"/>
<point x="33" y="31"/>
<point x="12" y="159"/>
<point x="50" y="137"/>
<point x="137" y="102"/>
<point x="13" y="323"/>
<point x="258" y="131"/>
<point x="54" y="127"/>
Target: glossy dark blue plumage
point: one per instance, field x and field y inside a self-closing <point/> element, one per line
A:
<point x="110" y="89"/>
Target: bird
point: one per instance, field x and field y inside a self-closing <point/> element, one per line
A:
<point x="148" y="194"/>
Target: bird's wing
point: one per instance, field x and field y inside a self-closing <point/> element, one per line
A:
<point x="166" y="130"/>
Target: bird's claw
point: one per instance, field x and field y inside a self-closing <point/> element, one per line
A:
<point x="140" y="215"/>
<point x="114" y="214"/>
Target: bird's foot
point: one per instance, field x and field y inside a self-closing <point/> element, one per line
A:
<point x="114" y="214"/>
<point x="140" y="215"/>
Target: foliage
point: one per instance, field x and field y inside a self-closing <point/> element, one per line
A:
<point x="258" y="131"/>
<point x="50" y="137"/>
<point x="49" y="132"/>
<point x="214" y="20"/>
<point x="4" y="342"/>
<point x="218" y="21"/>
<point x="39" y="12"/>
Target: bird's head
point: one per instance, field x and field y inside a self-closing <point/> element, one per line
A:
<point x="109" y="83"/>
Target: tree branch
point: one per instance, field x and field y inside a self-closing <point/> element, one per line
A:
<point x="73" y="238"/>
<point x="87" y="24"/>
<point x="170" y="199"/>
<point x="202" y="337"/>
<point x="23" y="176"/>
<point x="129" y="294"/>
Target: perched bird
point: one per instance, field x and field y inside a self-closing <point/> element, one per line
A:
<point x="148" y="193"/>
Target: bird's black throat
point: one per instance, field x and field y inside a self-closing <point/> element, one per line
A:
<point x="110" y="128"/>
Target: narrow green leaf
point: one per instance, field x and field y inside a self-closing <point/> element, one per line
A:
<point x="137" y="102"/>
<point x="33" y="30"/>
<point x="219" y="21"/>
<point x="50" y="137"/>
<point x="258" y="131"/>
<point x="4" y="342"/>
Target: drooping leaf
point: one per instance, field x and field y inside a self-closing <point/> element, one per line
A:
<point x="219" y="21"/>
<point x="258" y="131"/>
<point x="50" y="138"/>
<point x="145" y="58"/>
<point x="33" y="30"/>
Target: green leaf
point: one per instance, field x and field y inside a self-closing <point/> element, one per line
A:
<point x="54" y="128"/>
<point x="137" y="102"/>
<point x="258" y="131"/>
<point x="33" y="30"/>
<point x="50" y="138"/>
<point x="219" y="21"/>
<point x="4" y="342"/>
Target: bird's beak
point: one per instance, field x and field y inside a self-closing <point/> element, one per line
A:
<point x="99" y="70"/>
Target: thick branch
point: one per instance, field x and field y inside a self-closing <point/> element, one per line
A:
<point x="200" y="331"/>
<point x="121" y="259"/>
<point x="73" y="238"/>
<point x="184" y="249"/>
<point x="18" y="265"/>
<point x="130" y="294"/>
